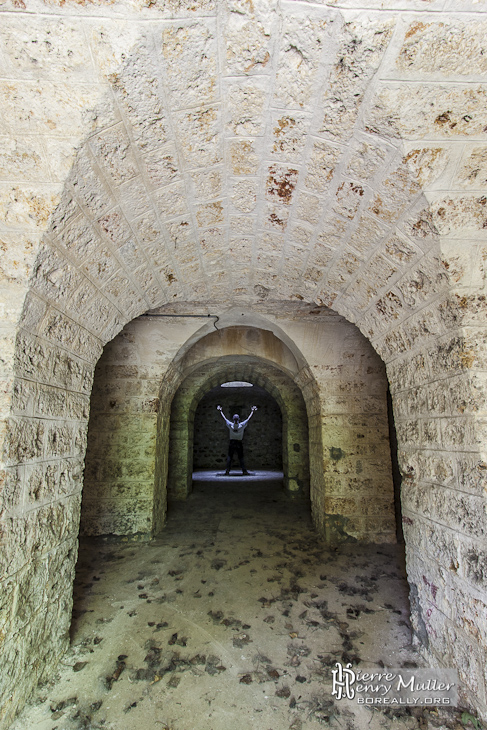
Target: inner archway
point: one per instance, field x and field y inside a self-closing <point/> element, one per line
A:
<point x="264" y="374"/>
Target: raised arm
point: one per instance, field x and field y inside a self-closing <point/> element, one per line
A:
<point x="244" y="423"/>
<point x="219" y="408"/>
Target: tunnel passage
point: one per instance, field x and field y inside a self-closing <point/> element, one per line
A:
<point x="262" y="437"/>
<point x="276" y="385"/>
<point x="201" y="175"/>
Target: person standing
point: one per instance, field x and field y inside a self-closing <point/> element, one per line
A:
<point x="236" y="430"/>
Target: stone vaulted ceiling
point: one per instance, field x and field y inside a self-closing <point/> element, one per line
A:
<point x="243" y="151"/>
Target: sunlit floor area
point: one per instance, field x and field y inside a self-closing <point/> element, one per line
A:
<point x="232" y="620"/>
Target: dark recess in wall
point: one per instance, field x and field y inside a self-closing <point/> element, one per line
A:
<point x="263" y="435"/>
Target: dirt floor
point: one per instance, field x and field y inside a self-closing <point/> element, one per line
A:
<point x="232" y="620"/>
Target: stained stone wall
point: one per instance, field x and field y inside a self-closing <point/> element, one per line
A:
<point x="332" y="371"/>
<point x="239" y="154"/>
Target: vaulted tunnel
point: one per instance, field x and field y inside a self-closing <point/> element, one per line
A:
<point x="206" y="158"/>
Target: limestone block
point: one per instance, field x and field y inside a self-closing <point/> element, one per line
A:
<point x="124" y="294"/>
<point x="419" y="283"/>
<point x="183" y="9"/>
<point x="189" y="60"/>
<point x="473" y="563"/>
<point x="60" y="155"/>
<point x="147" y="282"/>
<point x="147" y="230"/>
<point x="309" y="207"/>
<point x="113" y="152"/>
<point x="243" y="156"/>
<point x="473" y="170"/>
<point x="358" y="57"/>
<point x="113" y="517"/>
<point x="289" y="136"/>
<point x="47" y="44"/>
<point x="301" y="235"/>
<point x="103" y="267"/>
<point x="24" y="440"/>
<point x="54" y="276"/>
<point x="113" y="225"/>
<point x="301" y="45"/>
<point x="344" y="267"/>
<point x="465" y="656"/>
<point x="389" y="306"/>
<point x="22" y="159"/>
<point x="395" y="195"/>
<point x="366" y="160"/>
<point x="199" y="136"/>
<point x="419" y="224"/>
<point x="208" y="183"/>
<point x="280" y="185"/>
<point x="418" y="111"/>
<point x="14" y="686"/>
<point x="321" y="166"/>
<point x="367" y="234"/>
<point x="27" y="207"/>
<point x="470" y="614"/>
<point x="137" y="92"/>
<point x="180" y="231"/>
<point x="426" y="164"/>
<point x="210" y="214"/>
<point x="276" y="217"/>
<point x="244" y="196"/>
<point x="348" y="199"/>
<point x="78" y="237"/>
<point x="46" y="106"/>
<point x="134" y="199"/>
<point x="242" y="224"/>
<point x="213" y="243"/>
<point x="12" y="485"/>
<point x="245" y="107"/>
<point x="400" y="249"/>
<point x="318" y="261"/>
<point x="460" y="434"/>
<point x="171" y="201"/>
<point x="241" y="249"/>
<point x="17" y="255"/>
<point x="472" y="471"/>
<point x="131" y="256"/>
<point x="161" y="165"/>
<point x="443" y="48"/>
<point x="459" y="213"/>
<point x="90" y="191"/>
<point x="249" y="41"/>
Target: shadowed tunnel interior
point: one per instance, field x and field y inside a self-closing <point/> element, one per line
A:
<point x="290" y="193"/>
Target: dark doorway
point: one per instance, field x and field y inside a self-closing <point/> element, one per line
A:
<point x="263" y="436"/>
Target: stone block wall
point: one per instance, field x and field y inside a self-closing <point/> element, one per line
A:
<point x="329" y="153"/>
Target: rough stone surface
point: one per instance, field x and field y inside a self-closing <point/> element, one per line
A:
<point x="239" y="154"/>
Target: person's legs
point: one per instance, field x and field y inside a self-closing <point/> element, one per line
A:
<point x="241" y="456"/>
<point x="231" y="451"/>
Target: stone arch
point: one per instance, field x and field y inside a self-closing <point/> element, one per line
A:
<point x="349" y="211"/>
<point x="275" y="382"/>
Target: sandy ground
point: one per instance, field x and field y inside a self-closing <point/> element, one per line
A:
<point x="232" y="619"/>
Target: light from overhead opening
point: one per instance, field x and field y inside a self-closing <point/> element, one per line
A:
<point x="237" y="384"/>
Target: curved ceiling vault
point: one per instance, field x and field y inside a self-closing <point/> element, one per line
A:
<point x="250" y="151"/>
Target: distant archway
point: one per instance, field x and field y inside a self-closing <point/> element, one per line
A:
<point x="263" y="438"/>
<point x="273" y="380"/>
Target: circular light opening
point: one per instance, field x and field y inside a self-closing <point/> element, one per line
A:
<point x="237" y="384"/>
